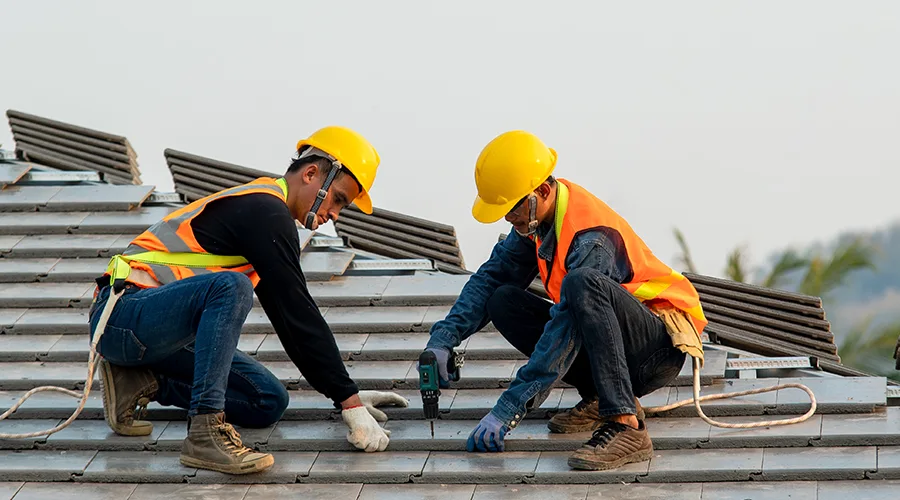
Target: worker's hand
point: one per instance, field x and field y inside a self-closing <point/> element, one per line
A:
<point x="488" y="435"/>
<point x="371" y="399"/>
<point x="365" y="433"/>
<point x="443" y="360"/>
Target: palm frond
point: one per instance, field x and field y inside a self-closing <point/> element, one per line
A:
<point x="685" y="258"/>
<point x="735" y="266"/>
<point x="788" y="262"/>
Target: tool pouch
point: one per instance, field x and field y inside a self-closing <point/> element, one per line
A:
<point x="681" y="330"/>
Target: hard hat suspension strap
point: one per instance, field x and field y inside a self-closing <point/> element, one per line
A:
<point x="323" y="192"/>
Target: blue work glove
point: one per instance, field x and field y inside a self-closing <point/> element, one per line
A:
<point x="488" y="435"/>
<point x="443" y="359"/>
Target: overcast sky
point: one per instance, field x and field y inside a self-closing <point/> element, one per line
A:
<point x="766" y="123"/>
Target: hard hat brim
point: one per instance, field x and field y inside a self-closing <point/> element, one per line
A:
<point x="487" y="213"/>
<point x="363" y="202"/>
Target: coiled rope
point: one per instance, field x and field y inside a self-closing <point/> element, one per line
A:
<point x="696" y="399"/>
<point x="92" y="365"/>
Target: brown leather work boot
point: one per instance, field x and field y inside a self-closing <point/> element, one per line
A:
<point x="215" y="445"/>
<point x="126" y="393"/>
<point x="612" y="446"/>
<point x="583" y="417"/>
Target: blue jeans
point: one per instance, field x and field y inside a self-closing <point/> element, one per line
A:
<point x="608" y="345"/>
<point x="186" y="333"/>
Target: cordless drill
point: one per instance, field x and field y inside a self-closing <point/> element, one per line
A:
<point x="429" y="382"/>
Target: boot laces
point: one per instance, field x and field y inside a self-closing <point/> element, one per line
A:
<point x="606" y="433"/>
<point x="232" y="439"/>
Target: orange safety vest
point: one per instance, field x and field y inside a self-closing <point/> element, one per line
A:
<point x="577" y="210"/>
<point x="173" y="234"/>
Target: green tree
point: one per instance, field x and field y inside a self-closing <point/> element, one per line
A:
<point x="863" y="348"/>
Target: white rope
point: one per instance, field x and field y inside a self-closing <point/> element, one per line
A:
<point x="92" y="362"/>
<point x="765" y="423"/>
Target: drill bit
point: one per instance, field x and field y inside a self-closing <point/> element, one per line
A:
<point x="432" y="428"/>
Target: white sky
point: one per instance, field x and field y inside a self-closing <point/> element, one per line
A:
<point x="768" y="123"/>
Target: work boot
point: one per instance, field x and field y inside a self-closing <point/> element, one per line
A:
<point x="612" y="446"/>
<point x="583" y="417"/>
<point x="126" y="393"/>
<point x="215" y="445"/>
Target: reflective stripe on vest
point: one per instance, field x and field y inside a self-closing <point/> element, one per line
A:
<point x="168" y="250"/>
<point x="577" y="210"/>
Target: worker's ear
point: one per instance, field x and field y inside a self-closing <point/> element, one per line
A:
<point x="543" y="191"/>
<point x="310" y="173"/>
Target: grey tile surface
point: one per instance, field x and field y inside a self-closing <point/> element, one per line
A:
<point x="309" y="405"/>
<point x="26" y="375"/>
<point x="385" y="467"/>
<point x="533" y="435"/>
<point x="530" y="492"/>
<point x="7" y="242"/>
<point x="689" y="491"/>
<point x="869" y="490"/>
<point x="136" y="467"/>
<point x="271" y="348"/>
<point x="251" y="342"/>
<point x="7" y="490"/>
<point x="480" y="374"/>
<point x="850" y="394"/>
<point x="43" y="294"/>
<point x="819" y="463"/>
<point x="26" y="198"/>
<point x="66" y="491"/>
<point x="96" y="435"/>
<point x="414" y="410"/>
<point x="39" y="222"/>
<point x="490" y="345"/>
<point x="287" y="468"/>
<point x="83" y="269"/>
<point x="329" y="435"/>
<point x="25" y="347"/>
<point x="130" y="222"/>
<point x="754" y="404"/>
<point x="67" y="348"/>
<point x="486" y="468"/>
<point x="10" y="174"/>
<point x="348" y="290"/>
<point x="51" y="405"/>
<point x="24" y="270"/>
<point x="806" y="490"/>
<point x="449" y="435"/>
<point x="305" y="491"/>
<point x="553" y="467"/>
<point x="800" y="434"/>
<point x="379" y="374"/>
<point x="713" y="369"/>
<point x="669" y="433"/>
<point x="392" y="346"/>
<point x="189" y="491"/>
<point x="99" y="197"/>
<point x="704" y="465"/>
<point x="53" y="321"/>
<point x="67" y="245"/>
<point x="437" y="313"/>
<point x="322" y="266"/>
<point x="374" y="319"/>
<point x="879" y="428"/>
<point x="24" y="427"/>
<point x="42" y="465"/>
<point x="888" y="463"/>
<point x="424" y="290"/>
<point x="417" y="491"/>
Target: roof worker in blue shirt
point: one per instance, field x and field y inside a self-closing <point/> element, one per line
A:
<point x="603" y="330"/>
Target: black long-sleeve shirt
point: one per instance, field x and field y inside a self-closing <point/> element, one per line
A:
<point x="260" y="228"/>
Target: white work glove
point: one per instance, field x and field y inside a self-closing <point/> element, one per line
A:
<point x="365" y="433"/>
<point x="371" y="399"/>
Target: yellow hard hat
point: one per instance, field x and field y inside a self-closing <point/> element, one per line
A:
<point x="508" y="168"/>
<point x="354" y="152"/>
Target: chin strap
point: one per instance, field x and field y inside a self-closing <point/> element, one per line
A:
<point x="323" y="191"/>
<point x="532" y="216"/>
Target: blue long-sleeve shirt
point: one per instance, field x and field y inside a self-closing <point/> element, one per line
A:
<point x="513" y="262"/>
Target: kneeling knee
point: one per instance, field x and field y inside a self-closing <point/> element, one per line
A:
<point x="583" y="284"/>
<point x="269" y="409"/>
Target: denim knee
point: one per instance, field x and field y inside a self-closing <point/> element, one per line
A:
<point x="267" y="410"/>
<point x="582" y="288"/>
<point x="235" y="287"/>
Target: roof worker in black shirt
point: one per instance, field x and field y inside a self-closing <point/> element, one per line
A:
<point x="187" y="286"/>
